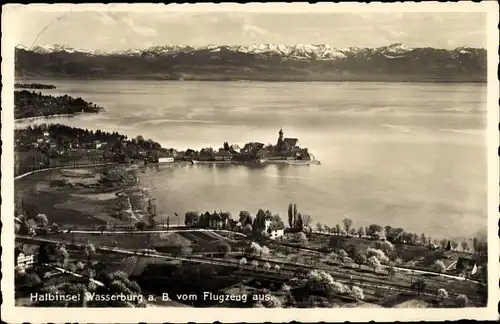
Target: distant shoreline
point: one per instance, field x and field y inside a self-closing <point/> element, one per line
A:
<point x="267" y="162"/>
<point x="45" y="117"/>
<point x="242" y="79"/>
<point x="34" y="86"/>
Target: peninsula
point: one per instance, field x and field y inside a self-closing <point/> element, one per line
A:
<point x="33" y="86"/>
<point x="30" y="104"/>
<point x="45" y="146"/>
<point x="285" y="150"/>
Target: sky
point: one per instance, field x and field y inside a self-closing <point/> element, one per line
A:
<point x="120" y="30"/>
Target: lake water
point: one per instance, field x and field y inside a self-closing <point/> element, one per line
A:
<point x="409" y="155"/>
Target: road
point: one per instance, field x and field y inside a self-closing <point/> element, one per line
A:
<point x="80" y="166"/>
<point x="74" y="274"/>
<point x="151" y="231"/>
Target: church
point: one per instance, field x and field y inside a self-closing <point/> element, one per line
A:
<point x="285" y="144"/>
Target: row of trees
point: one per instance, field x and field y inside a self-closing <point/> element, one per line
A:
<point x="318" y="283"/>
<point x="66" y="136"/>
<point x="246" y="222"/>
<point x="399" y="235"/>
<point x="297" y="220"/>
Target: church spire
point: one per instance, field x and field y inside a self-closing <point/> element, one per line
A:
<point x="280" y="138"/>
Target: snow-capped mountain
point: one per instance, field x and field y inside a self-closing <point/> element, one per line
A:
<point x="297" y="52"/>
<point x="257" y="62"/>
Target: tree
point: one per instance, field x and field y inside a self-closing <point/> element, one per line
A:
<point x="462" y="300"/>
<point x="300" y="237"/>
<point x="89" y="252"/>
<point x="337" y="229"/>
<point x="438" y="266"/>
<point x="306" y="220"/>
<point x="448" y="246"/>
<point x="454" y="245"/>
<point x="372" y="229"/>
<point x="191" y="218"/>
<point x="141" y="225"/>
<point x="43" y="254"/>
<point x="361" y="231"/>
<point x="419" y="286"/>
<point x="319" y="227"/>
<point x="342" y="255"/>
<point x="272" y="302"/>
<point x="482" y="248"/>
<point x="247" y="229"/>
<point x="54" y="227"/>
<point x="79" y="265"/>
<point x="443" y="242"/>
<point x="245" y="218"/>
<point x="224" y="247"/>
<point x="41" y="220"/>
<point x="260" y="221"/>
<point x="442" y="294"/>
<point x="357" y="293"/>
<point x="265" y="251"/>
<point x="465" y="246"/>
<point x="61" y="255"/>
<point x="374" y="263"/>
<point x="294" y="213"/>
<point x="290" y="215"/>
<point x="379" y="235"/>
<point x="299" y="223"/>
<point x="391" y="271"/>
<point x="379" y="254"/>
<point x="423" y="239"/>
<point x="347" y="224"/>
<point x="385" y="246"/>
<point x="360" y="258"/>
<point x="254" y="249"/>
<point x="102" y="228"/>
<point x="243" y="261"/>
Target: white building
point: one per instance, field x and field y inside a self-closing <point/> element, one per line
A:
<point x="165" y="160"/>
<point x="274" y="232"/>
<point x="25" y="261"/>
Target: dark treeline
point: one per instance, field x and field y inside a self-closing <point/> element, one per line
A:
<point x="43" y="146"/>
<point x="35" y="104"/>
<point x="33" y="86"/>
<point x="245" y="223"/>
<point x="66" y="136"/>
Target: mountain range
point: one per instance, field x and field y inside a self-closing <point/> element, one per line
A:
<point x="259" y="62"/>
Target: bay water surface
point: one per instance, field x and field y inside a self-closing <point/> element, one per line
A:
<point x="409" y="155"/>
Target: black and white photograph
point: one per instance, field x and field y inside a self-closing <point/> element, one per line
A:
<point x="230" y="157"/>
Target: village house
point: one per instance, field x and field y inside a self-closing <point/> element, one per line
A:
<point x="98" y="144"/>
<point x="23" y="257"/>
<point x="274" y="229"/>
<point x="223" y="156"/>
<point x="168" y="159"/>
<point x="216" y="221"/>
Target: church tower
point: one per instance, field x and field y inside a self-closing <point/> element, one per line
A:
<point x="280" y="138"/>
